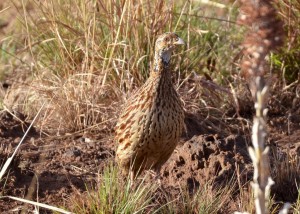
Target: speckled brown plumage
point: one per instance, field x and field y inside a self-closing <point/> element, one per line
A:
<point x="150" y="126"/>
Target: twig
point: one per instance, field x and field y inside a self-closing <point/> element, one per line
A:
<point x="9" y="160"/>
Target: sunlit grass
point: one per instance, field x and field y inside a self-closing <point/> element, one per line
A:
<point x="296" y="205"/>
<point x="207" y="199"/>
<point x="116" y="195"/>
<point x="88" y="55"/>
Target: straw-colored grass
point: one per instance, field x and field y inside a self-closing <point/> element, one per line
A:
<point x="88" y="56"/>
<point x="115" y="194"/>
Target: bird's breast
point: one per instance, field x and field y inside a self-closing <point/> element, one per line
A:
<point x="166" y="122"/>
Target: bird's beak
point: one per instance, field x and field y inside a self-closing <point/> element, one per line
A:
<point x="179" y="42"/>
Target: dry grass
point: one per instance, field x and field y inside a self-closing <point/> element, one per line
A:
<point x="87" y="56"/>
<point x="245" y="201"/>
<point x="285" y="172"/>
<point x="113" y="195"/>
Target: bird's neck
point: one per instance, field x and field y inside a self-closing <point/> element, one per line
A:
<point x="161" y="61"/>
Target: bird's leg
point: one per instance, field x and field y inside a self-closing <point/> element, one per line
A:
<point x="132" y="176"/>
<point x="156" y="174"/>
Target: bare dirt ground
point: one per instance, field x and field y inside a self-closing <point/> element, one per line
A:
<point x="50" y="170"/>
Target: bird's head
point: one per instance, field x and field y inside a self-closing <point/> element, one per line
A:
<point x="165" y="44"/>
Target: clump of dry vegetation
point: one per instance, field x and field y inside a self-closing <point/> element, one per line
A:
<point x="115" y="195"/>
<point x="89" y="55"/>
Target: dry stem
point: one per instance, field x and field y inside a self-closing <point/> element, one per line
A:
<point x="264" y="35"/>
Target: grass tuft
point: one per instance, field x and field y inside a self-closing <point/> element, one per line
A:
<point x="114" y="195"/>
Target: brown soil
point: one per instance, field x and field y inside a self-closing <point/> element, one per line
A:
<point x="52" y="169"/>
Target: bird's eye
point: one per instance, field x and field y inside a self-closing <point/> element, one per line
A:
<point x="166" y="39"/>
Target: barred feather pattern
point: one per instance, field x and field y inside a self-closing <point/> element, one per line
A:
<point x="151" y="124"/>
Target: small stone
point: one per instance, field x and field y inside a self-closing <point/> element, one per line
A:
<point x="73" y="152"/>
<point x="17" y="140"/>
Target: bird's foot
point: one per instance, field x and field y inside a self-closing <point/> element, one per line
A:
<point x="155" y="174"/>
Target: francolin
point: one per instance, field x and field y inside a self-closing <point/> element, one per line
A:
<point x="152" y="121"/>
